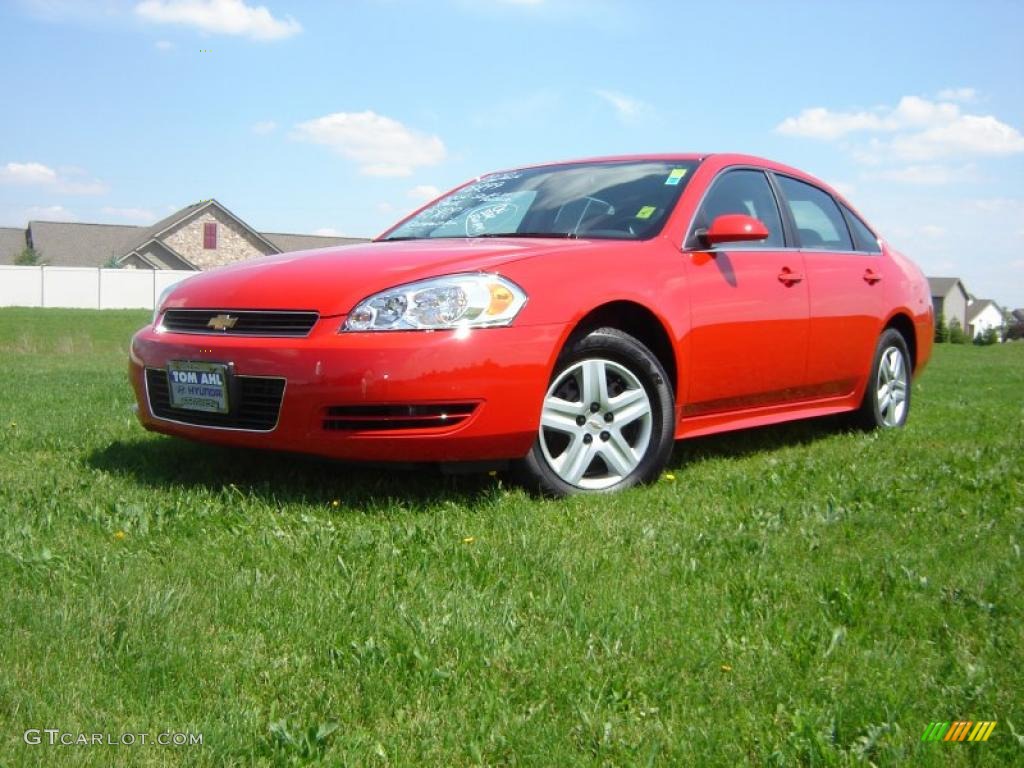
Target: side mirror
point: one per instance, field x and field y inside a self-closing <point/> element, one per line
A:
<point x="733" y="228"/>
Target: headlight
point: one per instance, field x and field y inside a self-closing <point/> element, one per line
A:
<point x="454" y="301"/>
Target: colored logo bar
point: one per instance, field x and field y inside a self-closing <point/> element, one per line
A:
<point x="959" y="730"/>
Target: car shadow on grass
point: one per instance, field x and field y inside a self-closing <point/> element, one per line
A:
<point x="163" y="462"/>
<point x="747" y="442"/>
<point x="281" y="477"/>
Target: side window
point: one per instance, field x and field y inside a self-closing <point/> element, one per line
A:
<point x="741" y="191"/>
<point x="819" y="222"/>
<point x="863" y="238"/>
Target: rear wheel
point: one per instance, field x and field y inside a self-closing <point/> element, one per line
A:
<point x="886" y="402"/>
<point x="607" y="419"/>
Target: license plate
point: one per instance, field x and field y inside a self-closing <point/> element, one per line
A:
<point x="196" y="386"/>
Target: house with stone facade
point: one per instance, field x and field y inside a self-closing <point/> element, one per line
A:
<point x="200" y="236"/>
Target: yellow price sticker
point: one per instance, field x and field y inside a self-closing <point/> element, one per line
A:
<point x="646" y="212"/>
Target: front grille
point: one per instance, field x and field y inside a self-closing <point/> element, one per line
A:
<point x="381" y="418"/>
<point x="256" y="405"/>
<point x="246" y="322"/>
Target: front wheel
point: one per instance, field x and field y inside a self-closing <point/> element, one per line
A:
<point x="607" y="421"/>
<point x="886" y="402"/>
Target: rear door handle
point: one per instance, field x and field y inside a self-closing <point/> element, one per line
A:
<point x="871" y="277"/>
<point x="788" y="277"/>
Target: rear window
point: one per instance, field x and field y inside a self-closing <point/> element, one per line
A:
<point x="863" y="238"/>
<point x="819" y="222"/>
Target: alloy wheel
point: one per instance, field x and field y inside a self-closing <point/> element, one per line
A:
<point x="891" y="387"/>
<point x="595" y="424"/>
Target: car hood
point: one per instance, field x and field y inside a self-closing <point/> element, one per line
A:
<point x="332" y="280"/>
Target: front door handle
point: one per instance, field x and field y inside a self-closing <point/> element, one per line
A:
<point x="871" y="277"/>
<point x="788" y="277"/>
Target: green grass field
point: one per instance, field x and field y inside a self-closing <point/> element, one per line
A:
<point x="796" y="595"/>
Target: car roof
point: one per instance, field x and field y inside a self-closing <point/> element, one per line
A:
<point x="722" y="158"/>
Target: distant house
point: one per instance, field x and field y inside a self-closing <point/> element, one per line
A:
<point x="950" y="299"/>
<point x="1015" y="329"/>
<point x="983" y="314"/>
<point x="200" y="236"/>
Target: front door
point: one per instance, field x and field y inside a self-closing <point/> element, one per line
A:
<point x="749" y="334"/>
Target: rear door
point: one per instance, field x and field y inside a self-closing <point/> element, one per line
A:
<point x="748" y="342"/>
<point x="844" y="278"/>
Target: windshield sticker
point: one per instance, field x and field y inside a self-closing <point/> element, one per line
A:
<point x="646" y="212"/>
<point x="675" y="177"/>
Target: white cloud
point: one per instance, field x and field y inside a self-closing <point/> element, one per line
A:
<point x="965" y="135"/>
<point x="915" y="131"/>
<point x="924" y="175"/>
<point x="380" y="145"/>
<point x="264" y="127"/>
<point x="69" y="181"/>
<point x="27" y="173"/>
<point x="932" y="231"/>
<point x="424" y="192"/>
<point x="131" y="214"/>
<point x="327" y="232"/>
<point x="221" y="17"/>
<point x="1000" y="205"/>
<point x="626" y="108"/>
<point x="958" y="94"/>
<point x="164" y="46"/>
<point x="821" y="123"/>
<point x="49" y="213"/>
<point x="910" y="112"/>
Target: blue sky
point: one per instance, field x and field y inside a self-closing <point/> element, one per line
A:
<point x="341" y="116"/>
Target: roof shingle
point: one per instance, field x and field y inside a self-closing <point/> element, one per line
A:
<point x="66" y="244"/>
<point x="941" y="286"/>
<point x="288" y="242"/>
<point x="12" y="242"/>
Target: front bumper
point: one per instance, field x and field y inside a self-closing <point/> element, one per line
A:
<point x="503" y="372"/>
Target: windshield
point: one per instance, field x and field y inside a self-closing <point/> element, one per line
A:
<point x="611" y="200"/>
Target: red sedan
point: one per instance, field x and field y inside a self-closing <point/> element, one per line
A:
<point x="571" y="319"/>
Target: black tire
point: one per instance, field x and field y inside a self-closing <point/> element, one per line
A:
<point x="635" y="386"/>
<point x="876" y="412"/>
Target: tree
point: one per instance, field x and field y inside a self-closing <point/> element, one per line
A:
<point x="941" y="329"/>
<point x="956" y="333"/>
<point x="29" y="257"/>
<point x="989" y="336"/>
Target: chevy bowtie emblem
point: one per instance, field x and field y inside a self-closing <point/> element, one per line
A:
<point x="222" y="322"/>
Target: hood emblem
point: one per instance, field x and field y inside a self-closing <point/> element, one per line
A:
<point x="222" y="322"/>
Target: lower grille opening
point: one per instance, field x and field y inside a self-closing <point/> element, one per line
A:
<point x="256" y="406"/>
<point x="381" y="418"/>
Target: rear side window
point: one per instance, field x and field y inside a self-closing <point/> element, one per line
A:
<point x="819" y="222"/>
<point x="863" y="238"/>
<point x="741" y="191"/>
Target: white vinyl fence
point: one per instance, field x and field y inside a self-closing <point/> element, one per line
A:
<point x="84" y="287"/>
